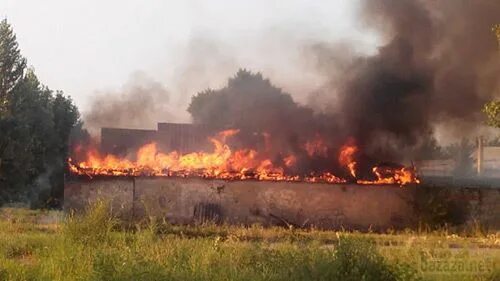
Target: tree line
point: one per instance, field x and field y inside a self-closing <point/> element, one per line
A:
<point x="36" y="124"/>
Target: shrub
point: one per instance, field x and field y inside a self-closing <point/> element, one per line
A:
<point x="358" y="259"/>
<point x="93" y="227"/>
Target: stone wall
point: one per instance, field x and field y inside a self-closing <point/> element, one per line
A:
<point x="119" y="192"/>
<point x="327" y="206"/>
<point x="247" y="202"/>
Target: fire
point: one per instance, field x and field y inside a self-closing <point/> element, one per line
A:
<point x="221" y="163"/>
<point x="316" y="147"/>
<point x="231" y="164"/>
<point x="388" y="175"/>
<point x="346" y="157"/>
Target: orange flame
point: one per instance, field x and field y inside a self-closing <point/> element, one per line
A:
<point x="346" y="157"/>
<point x="224" y="163"/>
<point x="388" y="175"/>
<point x="221" y="163"/>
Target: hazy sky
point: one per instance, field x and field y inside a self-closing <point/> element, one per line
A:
<point x="84" y="47"/>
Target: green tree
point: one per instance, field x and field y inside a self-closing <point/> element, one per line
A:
<point x="248" y="102"/>
<point x="492" y="109"/>
<point x="67" y="123"/>
<point x="35" y="126"/>
<point x="268" y="119"/>
<point x="12" y="64"/>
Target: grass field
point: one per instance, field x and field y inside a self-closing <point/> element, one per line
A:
<point x="46" y="245"/>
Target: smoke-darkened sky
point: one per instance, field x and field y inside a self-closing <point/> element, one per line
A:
<point x="89" y="47"/>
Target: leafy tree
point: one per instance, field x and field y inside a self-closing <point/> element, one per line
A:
<point x="492" y="109"/>
<point x="66" y="122"/>
<point x="245" y="94"/>
<point x="12" y="64"/>
<point x="268" y="119"/>
<point x="252" y="104"/>
<point x="23" y="151"/>
<point x="258" y="109"/>
<point x="35" y="126"/>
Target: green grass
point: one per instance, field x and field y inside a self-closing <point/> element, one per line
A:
<point x="42" y="245"/>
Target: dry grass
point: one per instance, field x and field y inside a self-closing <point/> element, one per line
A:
<point x="45" y="245"/>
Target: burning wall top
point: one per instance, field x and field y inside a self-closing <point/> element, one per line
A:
<point x="182" y="150"/>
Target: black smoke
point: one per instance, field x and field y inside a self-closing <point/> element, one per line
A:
<point x="437" y="63"/>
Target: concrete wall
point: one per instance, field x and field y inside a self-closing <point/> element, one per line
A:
<point x="247" y="202"/>
<point x="329" y="206"/>
<point x="118" y="191"/>
<point x="479" y="205"/>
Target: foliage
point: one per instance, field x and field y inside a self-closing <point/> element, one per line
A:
<point x="357" y="258"/>
<point x="492" y="111"/>
<point x="42" y="245"/>
<point x="247" y="94"/>
<point x="92" y="228"/>
<point x="492" y="108"/>
<point x="12" y="64"/>
<point x="36" y="124"/>
<point x="243" y="91"/>
<point x="259" y="110"/>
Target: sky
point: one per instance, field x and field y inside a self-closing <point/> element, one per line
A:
<point x="89" y="47"/>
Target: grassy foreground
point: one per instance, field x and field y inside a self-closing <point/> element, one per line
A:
<point x="46" y="245"/>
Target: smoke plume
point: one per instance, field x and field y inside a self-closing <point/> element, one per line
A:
<point x="437" y="64"/>
<point x="142" y="102"/>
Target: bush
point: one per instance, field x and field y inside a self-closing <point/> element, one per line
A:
<point x="93" y="227"/>
<point x="358" y="259"/>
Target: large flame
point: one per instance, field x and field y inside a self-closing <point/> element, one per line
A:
<point x="226" y="163"/>
<point x="346" y="157"/>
